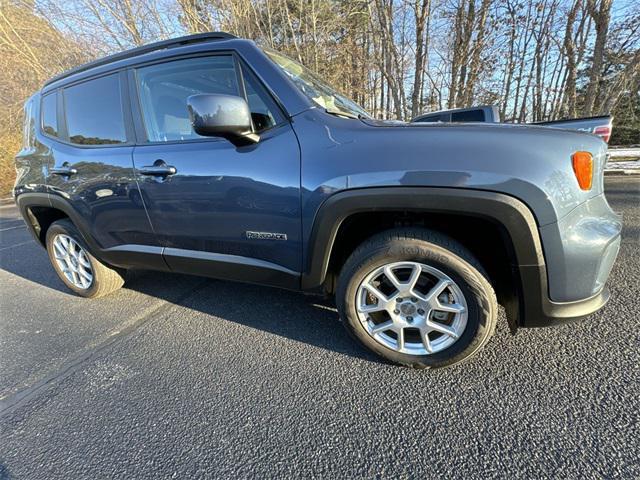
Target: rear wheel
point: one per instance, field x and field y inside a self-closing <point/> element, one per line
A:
<point x="417" y="298"/>
<point x="77" y="268"/>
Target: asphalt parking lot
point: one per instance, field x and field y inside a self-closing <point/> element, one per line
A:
<point x="177" y="376"/>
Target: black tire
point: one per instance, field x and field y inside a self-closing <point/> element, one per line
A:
<point x="105" y="280"/>
<point x="429" y="248"/>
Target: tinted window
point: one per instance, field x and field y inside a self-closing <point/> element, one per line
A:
<point x="264" y="111"/>
<point x="439" y="117"/>
<point x="164" y="90"/>
<point x="94" y="112"/>
<point x="470" y="116"/>
<point x="50" y="115"/>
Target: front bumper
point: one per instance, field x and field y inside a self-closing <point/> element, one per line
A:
<point x="580" y="250"/>
<point x="579" y="253"/>
<point x="537" y="310"/>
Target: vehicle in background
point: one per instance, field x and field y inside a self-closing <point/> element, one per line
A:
<point x="601" y="125"/>
<point x="482" y="113"/>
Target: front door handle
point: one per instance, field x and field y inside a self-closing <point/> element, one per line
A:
<point x="64" y="170"/>
<point x="158" y="169"/>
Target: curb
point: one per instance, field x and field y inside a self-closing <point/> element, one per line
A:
<point x="6" y="201"/>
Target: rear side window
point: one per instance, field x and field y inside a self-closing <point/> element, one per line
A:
<point x="164" y="89"/>
<point x="49" y="114"/>
<point x="93" y="111"/>
<point x="469" y="116"/>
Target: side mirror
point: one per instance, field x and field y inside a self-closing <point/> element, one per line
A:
<point x="227" y="116"/>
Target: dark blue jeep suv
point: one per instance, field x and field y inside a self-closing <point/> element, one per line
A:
<point x="210" y="156"/>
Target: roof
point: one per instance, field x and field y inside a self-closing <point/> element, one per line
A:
<point x="134" y="52"/>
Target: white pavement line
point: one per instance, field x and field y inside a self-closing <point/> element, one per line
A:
<point x="16" y="245"/>
<point x="12" y="228"/>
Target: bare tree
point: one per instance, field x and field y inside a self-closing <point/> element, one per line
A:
<point x="600" y="11"/>
<point x="572" y="64"/>
<point x="421" y="10"/>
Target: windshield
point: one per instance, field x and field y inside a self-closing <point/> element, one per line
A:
<point x="314" y="88"/>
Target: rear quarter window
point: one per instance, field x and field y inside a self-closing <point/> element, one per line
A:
<point x="49" y="114"/>
<point x="29" y="127"/>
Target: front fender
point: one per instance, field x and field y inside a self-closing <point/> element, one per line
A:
<point x="531" y="305"/>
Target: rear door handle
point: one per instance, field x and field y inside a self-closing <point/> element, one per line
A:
<point x="64" y="171"/>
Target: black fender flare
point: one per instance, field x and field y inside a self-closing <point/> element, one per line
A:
<point x="513" y="215"/>
<point x="25" y="201"/>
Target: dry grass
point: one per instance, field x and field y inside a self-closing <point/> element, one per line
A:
<point x="10" y="144"/>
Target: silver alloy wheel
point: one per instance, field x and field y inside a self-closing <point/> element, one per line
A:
<point x="411" y="308"/>
<point x="72" y="261"/>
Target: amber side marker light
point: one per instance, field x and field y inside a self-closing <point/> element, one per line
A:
<point x="583" y="168"/>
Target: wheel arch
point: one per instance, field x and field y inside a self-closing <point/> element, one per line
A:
<point x="55" y="206"/>
<point x="40" y="210"/>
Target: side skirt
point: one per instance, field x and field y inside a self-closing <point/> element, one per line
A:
<point x="231" y="267"/>
<point x="205" y="264"/>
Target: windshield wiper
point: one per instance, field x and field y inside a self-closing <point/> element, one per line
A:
<point x="340" y="113"/>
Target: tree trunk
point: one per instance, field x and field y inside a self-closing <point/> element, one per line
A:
<point x="570" y="54"/>
<point x="601" y="16"/>
<point x="421" y="11"/>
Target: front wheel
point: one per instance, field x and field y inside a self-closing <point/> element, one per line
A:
<point x="417" y="298"/>
<point x="77" y="268"/>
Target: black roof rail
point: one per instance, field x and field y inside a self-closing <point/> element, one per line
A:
<point x="134" y="52"/>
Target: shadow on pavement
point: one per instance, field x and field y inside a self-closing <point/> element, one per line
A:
<point x="303" y="318"/>
<point x="4" y="472"/>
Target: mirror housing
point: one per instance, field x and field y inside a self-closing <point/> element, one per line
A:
<point x="226" y="116"/>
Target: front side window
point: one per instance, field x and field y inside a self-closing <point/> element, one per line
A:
<point x="164" y="89"/>
<point x="94" y="112"/>
<point x="264" y="111"/>
<point x="49" y="114"/>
